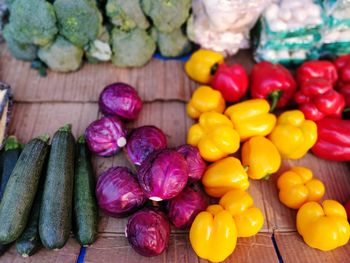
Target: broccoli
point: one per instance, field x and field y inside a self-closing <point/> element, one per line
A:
<point x="61" y="55"/>
<point x="79" y="21"/>
<point x="132" y="48"/>
<point x="172" y="44"/>
<point x="167" y="15"/>
<point x="19" y="51"/>
<point x="32" y="22"/>
<point x="99" y="49"/>
<point x="126" y="14"/>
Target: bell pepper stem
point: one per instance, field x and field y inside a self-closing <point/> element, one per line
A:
<point x="274" y="97"/>
<point x="214" y="68"/>
<point x="246" y="168"/>
<point x="346" y="110"/>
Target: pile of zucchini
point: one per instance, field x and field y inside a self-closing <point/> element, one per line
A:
<point x="42" y="188"/>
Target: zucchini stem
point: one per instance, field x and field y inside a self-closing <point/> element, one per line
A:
<point x="12" y="143"/>
<point x="44" y="137"/>
<point x="66" y="128"/>
<point x="81" y="139"/>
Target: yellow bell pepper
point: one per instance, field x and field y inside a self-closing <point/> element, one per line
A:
<point x="251" y="118"/>
<point x="323" y="227"/>
<point x="205" y="99"/>
<point x="248" y="218"/>
<point x="213" y="234"/>
<point x="223" y="176"/>
<point x="202" y="64"/>
<point x="214" y="136"/>
<point x="297" y="186"/>
<point x="293" y="135"/>
<point x="261" y="157"/>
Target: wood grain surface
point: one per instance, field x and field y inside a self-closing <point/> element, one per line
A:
<point x="45" y="104"/>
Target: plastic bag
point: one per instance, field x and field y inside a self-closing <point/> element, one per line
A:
<point x="294" y="18"/>
<point x="338" y="12"/>
<point x="222" y="25"/>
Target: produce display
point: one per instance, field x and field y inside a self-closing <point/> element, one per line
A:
<point x="245" y="125"/>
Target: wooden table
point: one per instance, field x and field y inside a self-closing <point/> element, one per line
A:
<point x="44" y="104"/>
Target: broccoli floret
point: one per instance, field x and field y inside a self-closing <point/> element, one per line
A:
<point x="132" y="48"/>
<point x="61" y="55"/>
<point x="172" y="44"/>
<point x="32" y="22"/>
<point x="99" y="49"/>
<point x="79" y="21"/>
<point x="126" y="14"/>
<point x="167" y="15"/>
<point x="19" y="51"/>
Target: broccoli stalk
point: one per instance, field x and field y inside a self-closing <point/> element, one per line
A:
<point x="18" y="50"/>
<point x="126" y="15"/>
<point x="61" y="55"/>
<point x="79" y="21"/>
<point x="32" y="22"/>
<point x="167" y="15"/>
<point x="132" y="48"/>
<point x="173" y="44"/>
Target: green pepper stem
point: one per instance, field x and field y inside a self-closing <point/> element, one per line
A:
<point x="346" y="110"/>
<point x="274" y="97"/>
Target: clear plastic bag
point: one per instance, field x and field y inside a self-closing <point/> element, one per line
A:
<point x="222" y="25"/>
<point x="294" y="18"/>
<point x="338" y="12"/>
<point x="285" y="56"/>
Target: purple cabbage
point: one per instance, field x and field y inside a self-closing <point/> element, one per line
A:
<point x="120" y="99"/>
<point x="143" y="141"/>
<point x="183" y="208"/>
<point x="196" y="164"/>
<point x="163" y="174"/>
<point x="118" y="192"/>
<point x="148" y="232"/>
<point x="106" y="136"/>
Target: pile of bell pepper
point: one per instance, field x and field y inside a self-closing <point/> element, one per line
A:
<point x="228" y="121"/>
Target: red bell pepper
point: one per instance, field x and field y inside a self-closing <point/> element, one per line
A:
<point x="273" y="82"/>
<point x="341" y="61"/>
<point x="344" y="89"/>
<point x="317" y="69"/>
<point x="342" y="64"/>
<point x="333" y="139"/>
<point x="317" y="99"/>
<point x="231" y="81"/>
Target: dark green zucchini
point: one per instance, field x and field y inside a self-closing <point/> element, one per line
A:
<point x="84" y="205"/>
<point x="55" y="221"/>
<point x="21" y="188"/>
<point x="9" y="159"/>
<point x="29" y="241"/>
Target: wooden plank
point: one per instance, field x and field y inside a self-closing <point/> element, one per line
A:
<point x="294" y="250"/>
<point x="159" y="80"/>
<point x="117" y="247"/>
<point x="68" y="254"/>
<point x="31" y="120"/>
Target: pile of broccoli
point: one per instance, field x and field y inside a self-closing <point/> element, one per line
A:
<point x="62" y="33"/>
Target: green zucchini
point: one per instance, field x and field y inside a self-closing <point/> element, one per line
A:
<point x="29" y="241"/>
<point x="9" y="159"/>
<point x="55" y="220"/>
<point x="84" y="205"/>
<point x="21" y="188"/>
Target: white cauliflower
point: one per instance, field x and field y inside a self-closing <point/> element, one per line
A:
<point x="224" y="25"/>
